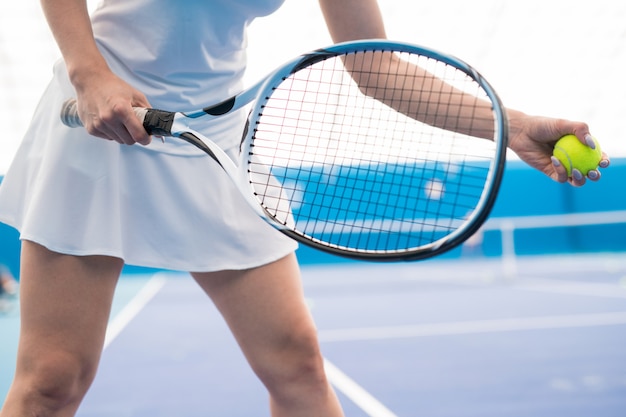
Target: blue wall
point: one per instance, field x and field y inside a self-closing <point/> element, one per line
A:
<point x="9" y="248"/>
<point x="527" y="192"/>
<point x="524" y="192"/>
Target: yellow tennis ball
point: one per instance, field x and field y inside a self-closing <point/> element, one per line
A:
<point x="573" y="154"/>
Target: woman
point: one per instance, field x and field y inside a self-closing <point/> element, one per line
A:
<point x="86" y="205"/>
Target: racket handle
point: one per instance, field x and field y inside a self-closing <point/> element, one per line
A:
<point x="69" y="114"/>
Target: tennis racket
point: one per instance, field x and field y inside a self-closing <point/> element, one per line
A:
<point x="371" y="149"/>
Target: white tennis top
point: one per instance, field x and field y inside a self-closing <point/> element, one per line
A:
<point x="182" y="55"/>
<point x="164" y="205"/>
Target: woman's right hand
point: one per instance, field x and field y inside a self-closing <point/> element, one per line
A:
<point x="105" y="102"/>
<point x="105" y="106"/>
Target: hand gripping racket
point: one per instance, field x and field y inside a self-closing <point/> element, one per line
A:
<point x="370" y="149"/>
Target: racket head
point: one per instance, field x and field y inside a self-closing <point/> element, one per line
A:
<point x="348" y="174"/>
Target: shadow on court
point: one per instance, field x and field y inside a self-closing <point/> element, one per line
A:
<point x="421" y="339"/>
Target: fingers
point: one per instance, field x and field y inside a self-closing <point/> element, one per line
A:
<point x="559" y="169"/>
<point x="132" y="129"/>
<point x="535" y="137"/>
<point x="107" y="111"/>
<point x="577" y="178"/>
<point x="605" y="161"/>
<point x="120" y="124"/>
<point x="578" y="129"/>
<point x="595" y="174"/>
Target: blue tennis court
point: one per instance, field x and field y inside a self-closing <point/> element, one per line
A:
<point x="436" y="338"/>
<point x="517" y="330"/>
<point x="528" y="319"/>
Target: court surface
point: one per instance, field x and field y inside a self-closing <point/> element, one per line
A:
<point x="436" y="338"/>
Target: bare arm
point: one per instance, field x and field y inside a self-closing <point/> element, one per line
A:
<point x="104" y="101"/>
<point x="353" y="19"/>
<point x="362" y="19"/>
<point x="532" y="138"/>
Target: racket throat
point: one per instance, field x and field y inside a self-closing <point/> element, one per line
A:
<point x="195" y="141"/>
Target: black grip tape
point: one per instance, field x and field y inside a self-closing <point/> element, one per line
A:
<point x="158" y="122"/>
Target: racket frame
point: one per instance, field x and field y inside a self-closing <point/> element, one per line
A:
<point x="165" y="123"/>
<point x="258" y="93"/>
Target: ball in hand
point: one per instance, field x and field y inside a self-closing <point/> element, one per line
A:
<point x="573" y="154"/>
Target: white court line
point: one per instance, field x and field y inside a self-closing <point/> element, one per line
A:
<point x="473" y="327"/>
<point x="130" y="310"/>
<point x="363" y="399"/>
<point x="340" y="380"/>
<point x="571" y="288"/>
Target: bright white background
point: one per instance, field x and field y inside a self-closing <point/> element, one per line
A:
<point x="563" y="58"/>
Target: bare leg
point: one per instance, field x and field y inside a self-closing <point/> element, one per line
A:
<point x="266" y="312"/>
<point x="65" y="306"/>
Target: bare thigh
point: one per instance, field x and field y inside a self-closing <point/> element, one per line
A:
<point x="65" y="306"/>
<point x="266" y="311"/>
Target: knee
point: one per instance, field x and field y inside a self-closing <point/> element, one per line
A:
<point x="54" y="382"/>
<point x="297" y="364"/>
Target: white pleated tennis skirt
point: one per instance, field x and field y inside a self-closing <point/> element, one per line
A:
<point x="162" y="206"/>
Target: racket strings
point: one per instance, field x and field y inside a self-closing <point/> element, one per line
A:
<point x="368" y="166"/>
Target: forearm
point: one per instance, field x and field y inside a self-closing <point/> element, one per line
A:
<point x="105" y="101"/>
<point x="412" y="90"/>
<point x="434" y="101"/>
<point x="426" y="98"/>
<point x="71" y="27"/>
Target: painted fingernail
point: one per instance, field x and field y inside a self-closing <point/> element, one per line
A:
<point x="590" y="142"/>
<point x="593" y="174"/>
<point x="555" y="161"/>
<point x="604" y="163"/>
<point x="577" y="175"/>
